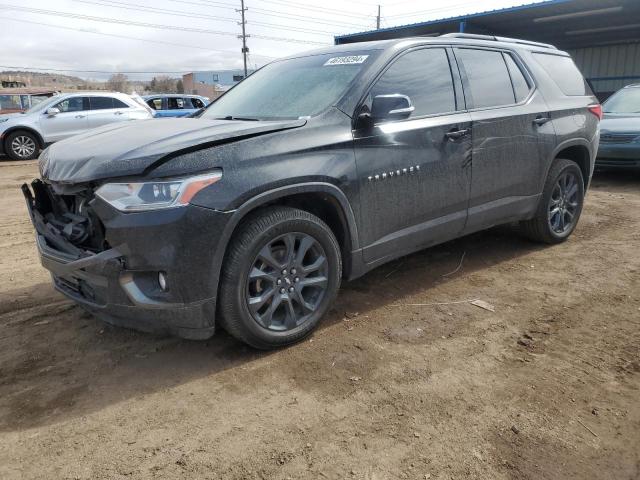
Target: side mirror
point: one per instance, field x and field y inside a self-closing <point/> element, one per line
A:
<point x="391" y="107"/>
<point x="53" y="111"/>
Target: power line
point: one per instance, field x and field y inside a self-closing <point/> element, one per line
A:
<point x="91" y="71"/>
<point x="294" y="16"/>
<point x="434" y="10"/>
<point x="165" y="11"/>
<point x="162" y="42"/>
<point x="149" y="25"/>
<point x="341" y="13"/>
<point x="275" y="13"/>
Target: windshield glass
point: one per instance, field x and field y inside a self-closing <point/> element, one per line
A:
<point x="625" y="101"/>
<point x="299" y="87"/>
<point x="42" y="105"/>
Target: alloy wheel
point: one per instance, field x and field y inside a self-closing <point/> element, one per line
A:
<point x="23" y="146"/>
<point x="564" y="203"/>
<point x="287" y="281"/>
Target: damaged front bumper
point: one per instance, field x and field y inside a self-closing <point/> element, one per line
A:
<point x="120" y="284"/>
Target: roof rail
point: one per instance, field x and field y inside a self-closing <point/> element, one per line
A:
<point x="499" y="39"/>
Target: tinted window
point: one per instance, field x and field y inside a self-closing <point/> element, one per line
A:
<point x="10" y="102"/>
<point x="176" y="103"/>
<point x="197" y="103"/>
<point x="74" y="104"/>
<point x="425" y="77"/>
<point x="489" y="84"/>
<point x="155" y="103"/>
<point x="119" y="104"/>
<point x="101" y="103"/>
<point x="564" y="72"/>
<point x="520" y="84"/>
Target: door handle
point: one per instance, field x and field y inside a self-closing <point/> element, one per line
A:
<point x="457" y="134"/>
<point x="118" y="113"/>
<point x="541" y="120"/>
<point x="80" y="116"/>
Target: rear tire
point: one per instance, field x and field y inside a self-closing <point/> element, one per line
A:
<point x="281" y="274"/>
<point x="22" y="145"/>
<point x="560" y="206"/>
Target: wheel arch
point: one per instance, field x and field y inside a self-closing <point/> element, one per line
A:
<point x="324" y="200"/>
<point x="17" y="128"/>
<point x="577" y="150"/>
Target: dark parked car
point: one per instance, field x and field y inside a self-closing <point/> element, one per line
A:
<point x="314" y="169"/>
<point x="620" y="130"/>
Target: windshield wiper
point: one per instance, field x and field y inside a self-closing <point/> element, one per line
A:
<point x="246" y="119"/>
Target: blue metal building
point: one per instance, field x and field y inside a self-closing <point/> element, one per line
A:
<point x="603" y="36"/>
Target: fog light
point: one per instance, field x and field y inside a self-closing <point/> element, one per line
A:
<point x="162" y="280"/>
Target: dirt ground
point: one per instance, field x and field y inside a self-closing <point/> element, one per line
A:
<point x="545" y="387"/>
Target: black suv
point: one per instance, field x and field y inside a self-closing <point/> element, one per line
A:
<point x="315" y="168"/>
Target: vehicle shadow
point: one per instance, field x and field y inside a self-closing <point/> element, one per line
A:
<point x="57" y="361"/>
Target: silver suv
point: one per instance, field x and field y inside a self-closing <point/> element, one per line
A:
<point x="22" y="135"/>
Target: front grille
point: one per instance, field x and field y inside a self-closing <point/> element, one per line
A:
<point x="70" y="216"/>
<point x="618" y="137"/>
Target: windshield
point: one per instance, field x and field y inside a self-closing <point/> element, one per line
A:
<point x="300" y="87"/>
<point x="625" y="101"/>
<point x="43" y="104"/>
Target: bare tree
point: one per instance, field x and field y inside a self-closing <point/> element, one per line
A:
<point x="118" y="83"/>
<point x="164" y="84"/>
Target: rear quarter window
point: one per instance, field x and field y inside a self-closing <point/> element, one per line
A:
<point x="564" y="73"/>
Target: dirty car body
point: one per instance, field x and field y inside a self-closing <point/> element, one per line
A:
<point x="386" y="187"/>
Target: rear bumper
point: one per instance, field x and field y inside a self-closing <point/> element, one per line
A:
<point x="618" y="155"/>
<point x="120" y="285"/>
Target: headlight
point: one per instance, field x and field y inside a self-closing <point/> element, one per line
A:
<point x="153" y="195"/>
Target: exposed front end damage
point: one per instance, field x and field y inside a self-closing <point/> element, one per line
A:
<point x="110" y="262"/>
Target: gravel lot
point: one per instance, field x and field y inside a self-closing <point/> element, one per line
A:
<point x="547" y="386"/>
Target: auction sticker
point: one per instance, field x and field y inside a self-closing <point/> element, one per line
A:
<point x="350" y="60"/>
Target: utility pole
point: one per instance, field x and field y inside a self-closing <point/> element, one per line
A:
<point x="244" y="36"/>
<point x="378" y="19"/>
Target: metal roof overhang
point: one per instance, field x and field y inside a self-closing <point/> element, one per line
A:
<point x="567" y="24"/>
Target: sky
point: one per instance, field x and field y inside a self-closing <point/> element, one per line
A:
<point x="90" y="38"/>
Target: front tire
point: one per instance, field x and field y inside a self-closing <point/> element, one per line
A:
<point x="280" y="276"/>
<point x="560" y="206"/>
<point x="22" y="145"/>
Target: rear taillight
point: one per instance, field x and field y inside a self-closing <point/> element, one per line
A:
<point x="596" y="109"/>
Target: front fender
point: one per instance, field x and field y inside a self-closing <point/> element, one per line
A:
<point x="269" y="196"/>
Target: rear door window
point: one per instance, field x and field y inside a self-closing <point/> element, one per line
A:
<point x="564" y="73"/>
<point x="425" y="77"/>
<point x="175" y="103"/>
<point x="101" y="103"/>
<point x="487" y="79"/>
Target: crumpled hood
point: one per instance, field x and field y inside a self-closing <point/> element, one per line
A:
<point x="129" y="148"/>
<point x="620" y="123"/>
